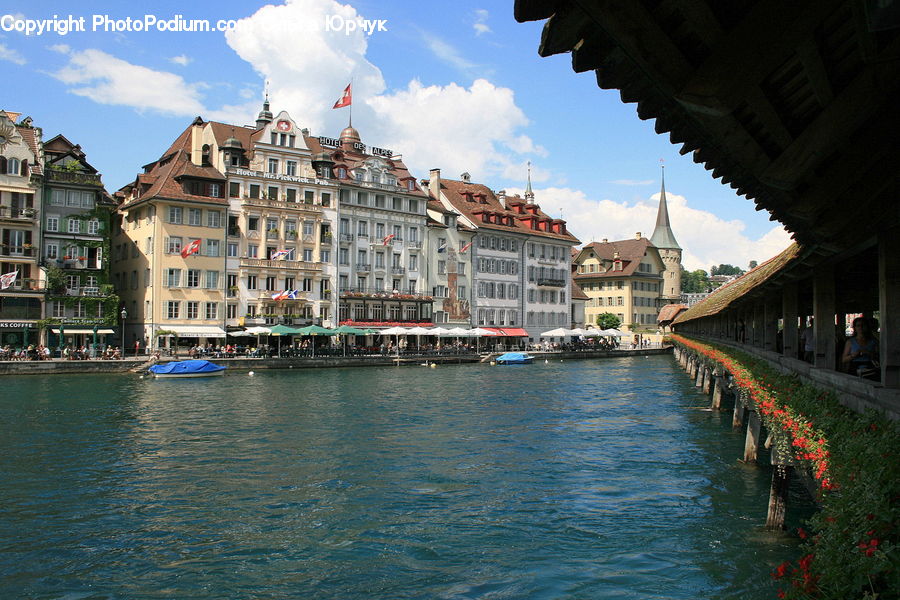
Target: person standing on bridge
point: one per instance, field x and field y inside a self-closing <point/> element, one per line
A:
<point x="861" y="351"/>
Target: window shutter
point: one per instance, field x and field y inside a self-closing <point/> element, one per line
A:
<point x="24" y="168"/>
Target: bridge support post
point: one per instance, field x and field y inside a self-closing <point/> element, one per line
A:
<point x="751" y="443"/>
<point x="718" y="390"/>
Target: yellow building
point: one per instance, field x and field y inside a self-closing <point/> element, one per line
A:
<point x="623" y="278"/>
<point x="177" y="203"/>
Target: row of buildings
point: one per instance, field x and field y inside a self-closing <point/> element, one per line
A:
<point x="239" y="226"/>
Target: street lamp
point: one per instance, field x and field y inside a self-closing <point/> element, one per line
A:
<point x="124" y="315"/>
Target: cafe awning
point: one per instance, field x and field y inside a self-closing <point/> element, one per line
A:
<point x="508" y="331"/>
<point x="77" y="330"/>
<point x="199" y="331"/>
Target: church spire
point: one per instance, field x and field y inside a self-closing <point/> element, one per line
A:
<point x="265" y="115"/>
<point x="529" y="193"/>
<point x="662" y="235"/>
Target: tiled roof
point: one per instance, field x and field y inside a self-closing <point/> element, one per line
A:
<point x="668" y="312"/>
<point x="578" y="293"/>
<point x="474" y="199"/>
<point x="28" y="136"/>
<point x="630" y="252"/>
<point x="722" y="297"/>
<point x="163" y="176"/>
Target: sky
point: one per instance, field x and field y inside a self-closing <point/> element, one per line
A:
<point x="452" y="85"/>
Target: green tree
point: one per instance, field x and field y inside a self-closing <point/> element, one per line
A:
<point x="608" y="321"/>
<point x="726" y="270"/>
<point x="694" y="282"/>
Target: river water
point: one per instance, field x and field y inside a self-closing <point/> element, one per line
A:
<point x="576" y="479"/>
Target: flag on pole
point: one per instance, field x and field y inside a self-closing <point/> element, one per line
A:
<point x="387" y="239"/>
<point x="8" y="279"/>
<point x="280" y="254"/>
<point x="280" y="296"/>
<point x="464" y="248"/>
<point x="443" y="247"/>
<point x="286" y="295"/>
<point x="192" y="248"/>
<point x="346" y="98"/>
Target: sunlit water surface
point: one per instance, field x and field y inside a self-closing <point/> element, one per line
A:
<point x="577" y="479"/>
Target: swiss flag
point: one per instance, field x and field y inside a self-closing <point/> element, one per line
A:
<point x="192" y="248"/>
<point x="346" y="98"/>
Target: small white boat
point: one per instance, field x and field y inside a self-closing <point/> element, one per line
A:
<point x="515" y="358"/>
<point x="183" y="369"/>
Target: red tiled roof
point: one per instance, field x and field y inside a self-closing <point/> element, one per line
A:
<point x="668" y="312"/>
<point x="578" y="293"/>
<point x="164" y="174"/>
<point x="630" y="252"/>
<point x="474" y="199"/>
<point x="30" y="139"/>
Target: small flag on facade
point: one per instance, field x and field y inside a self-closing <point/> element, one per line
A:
<point x="280" y="296"/>
<point x="191" y="248"/>
<point x="464" y="248"/>
<point x="387" y="239"/>
<point x="346" y="99"/>
<point x="8" y="279"/>
<point x="280" y="254"/>
<point x="443" y="247"/>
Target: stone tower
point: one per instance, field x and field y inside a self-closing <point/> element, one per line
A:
<point x="669" y="250"/>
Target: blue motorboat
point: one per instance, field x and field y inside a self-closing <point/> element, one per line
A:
<point x="187" y="368"/>
<point x="515" y="358"/>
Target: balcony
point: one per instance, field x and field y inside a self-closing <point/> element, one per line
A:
<point x="363" y="267"/>
<point x="272" y="234"/>
<point x="25" y="285"/>
<point x="395" y="270"/>
<point x="346" y="238"/>
<point x="234" y="232"/>
<point x="551" y="282"/>
<point x="76" y="263"/>
<point x="282" y="204"/>
<point x="281" y="264"/>
<point x="17" y="251"/>
<point x="376" y="294"/>
<point x="56" y="176"/>
<point x="414" y="245"/>
<point x="83" y="291"/>
<point x="17" y="214"/>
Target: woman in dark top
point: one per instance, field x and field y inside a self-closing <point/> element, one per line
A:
<point x="861" y="350"/>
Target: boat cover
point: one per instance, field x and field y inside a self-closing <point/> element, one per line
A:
<point x="186" y="367"/>
<point x="515" y="357"/>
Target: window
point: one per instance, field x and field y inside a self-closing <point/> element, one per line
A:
<point x="58" y="197"/>
<point x="413" y="233"/>
<point x="309" y="196"/>
<point x="273" y="165"/>
<point x="232" y="249"/>
<point x="272" y="192"/>
<point x="192" y="308"/>
<point x="413" y="262"/>
<point x="74" y="226"/>
<point x="234" y="190"/>
<point x="326" y="199"/>
<point x="193" y="278"/>
<point x="343" y="256"/>
<point x="362" y="229"/>
<point x="212" y="247"/>
<point x="173" y="277"/>
<point x="213" y="218"/>
<point x="173" y="245"/>
<point x="461" y="268"/>
<point x="442" y="267"/>
<point x="93" y="226"/>
<point x="174" y="215"/>
<point x="194" y="215"/>
<point x="413" y="205"/>
<point x="307" y="254"/>
<point x="212" y="310"/>
<point x="324" y="255"/>
<point x="270" y="284"/>
<point x="253" y="251"/>
<point x="291" y="167"/>
<point x="52" y="250"/>
<point x="231" y="311"/>
<point x="254" y="190"/>
<point x="79" y="310"/>
<point x="397" y="203"/>
<point x="307" y="284"/>
<point x="251" y="282"/>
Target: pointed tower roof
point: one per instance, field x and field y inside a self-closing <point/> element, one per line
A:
<point x="529" y="193"/>
<point x="662" y="236"/>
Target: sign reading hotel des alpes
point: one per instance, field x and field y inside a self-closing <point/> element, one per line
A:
<point x="358" y="146"/>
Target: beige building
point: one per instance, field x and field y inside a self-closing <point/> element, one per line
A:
<point x="624" y="278"/>
<point x="22" y="303"/>
<point x="178" y="202"/>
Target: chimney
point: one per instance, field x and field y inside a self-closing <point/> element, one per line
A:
<point x="637" y="235"/>
<point x="434" y="183"/>
<point x="197" y="141"/>
<point x="616" y="255"/>
<point x="501" y="196"/>
<point x="605" y="240"/>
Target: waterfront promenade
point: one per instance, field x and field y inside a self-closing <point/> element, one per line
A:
<point x="130" y="364"/>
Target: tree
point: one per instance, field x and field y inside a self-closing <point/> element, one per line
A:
<point x="726" y="270"/>
<point x="694" y="282"/>
<point x="608" y="321"/>
<point x="753" y="264"/>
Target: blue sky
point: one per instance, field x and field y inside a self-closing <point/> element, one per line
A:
<point x="452" y="85"/>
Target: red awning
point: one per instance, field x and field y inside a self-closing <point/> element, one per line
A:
<point x="508" y="331"/>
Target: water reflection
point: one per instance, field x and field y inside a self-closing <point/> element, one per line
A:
<point x="576" y="479"/>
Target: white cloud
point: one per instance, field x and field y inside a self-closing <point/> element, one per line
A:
<point x="476" y="129"/>
<point x="705" y="238"/>
<point x="447" y="53"/>
<point x="106" y="79"/>
<point x="182" y="59"/>
<point x="455" y="128"/>
<point x="60" y="48"/>
<point x="11" y="55"/>
<point x="480" y="25"/>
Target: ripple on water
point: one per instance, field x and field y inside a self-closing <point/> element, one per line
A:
<point x="582" y="479"/>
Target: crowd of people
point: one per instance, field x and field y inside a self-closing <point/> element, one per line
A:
<point x="42" y="352"/>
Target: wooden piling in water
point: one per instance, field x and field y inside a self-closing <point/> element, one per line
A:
<point x="740" y="403"/>
<point x="708" y="378"/>
<point x="751" y="442"/>
<point x="781" y="478"/>
<point x="718" y="390"/>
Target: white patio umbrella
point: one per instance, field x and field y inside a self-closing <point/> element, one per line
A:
<point x="418" y="332"/>
<point x="578" y="331"/>
<point x="479" y="333"/>
<point x="438" y="331"/>
<point x="397" y="331"/>
<point x="613" y="332"/>
<point x="258" y="331"/>
<point x="558" y="332"/>
<point x="592" y="332"/>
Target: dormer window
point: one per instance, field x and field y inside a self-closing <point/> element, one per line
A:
<point x="341" y="172"/>
<point x="617" y="265"/>
<point x="411" y="185"/>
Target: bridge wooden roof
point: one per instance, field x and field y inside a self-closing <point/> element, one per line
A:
<point x="791" y="104"/>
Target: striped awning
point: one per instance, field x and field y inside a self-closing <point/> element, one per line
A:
<point x="77" y="330"/>
<point x="199" y="331"/>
